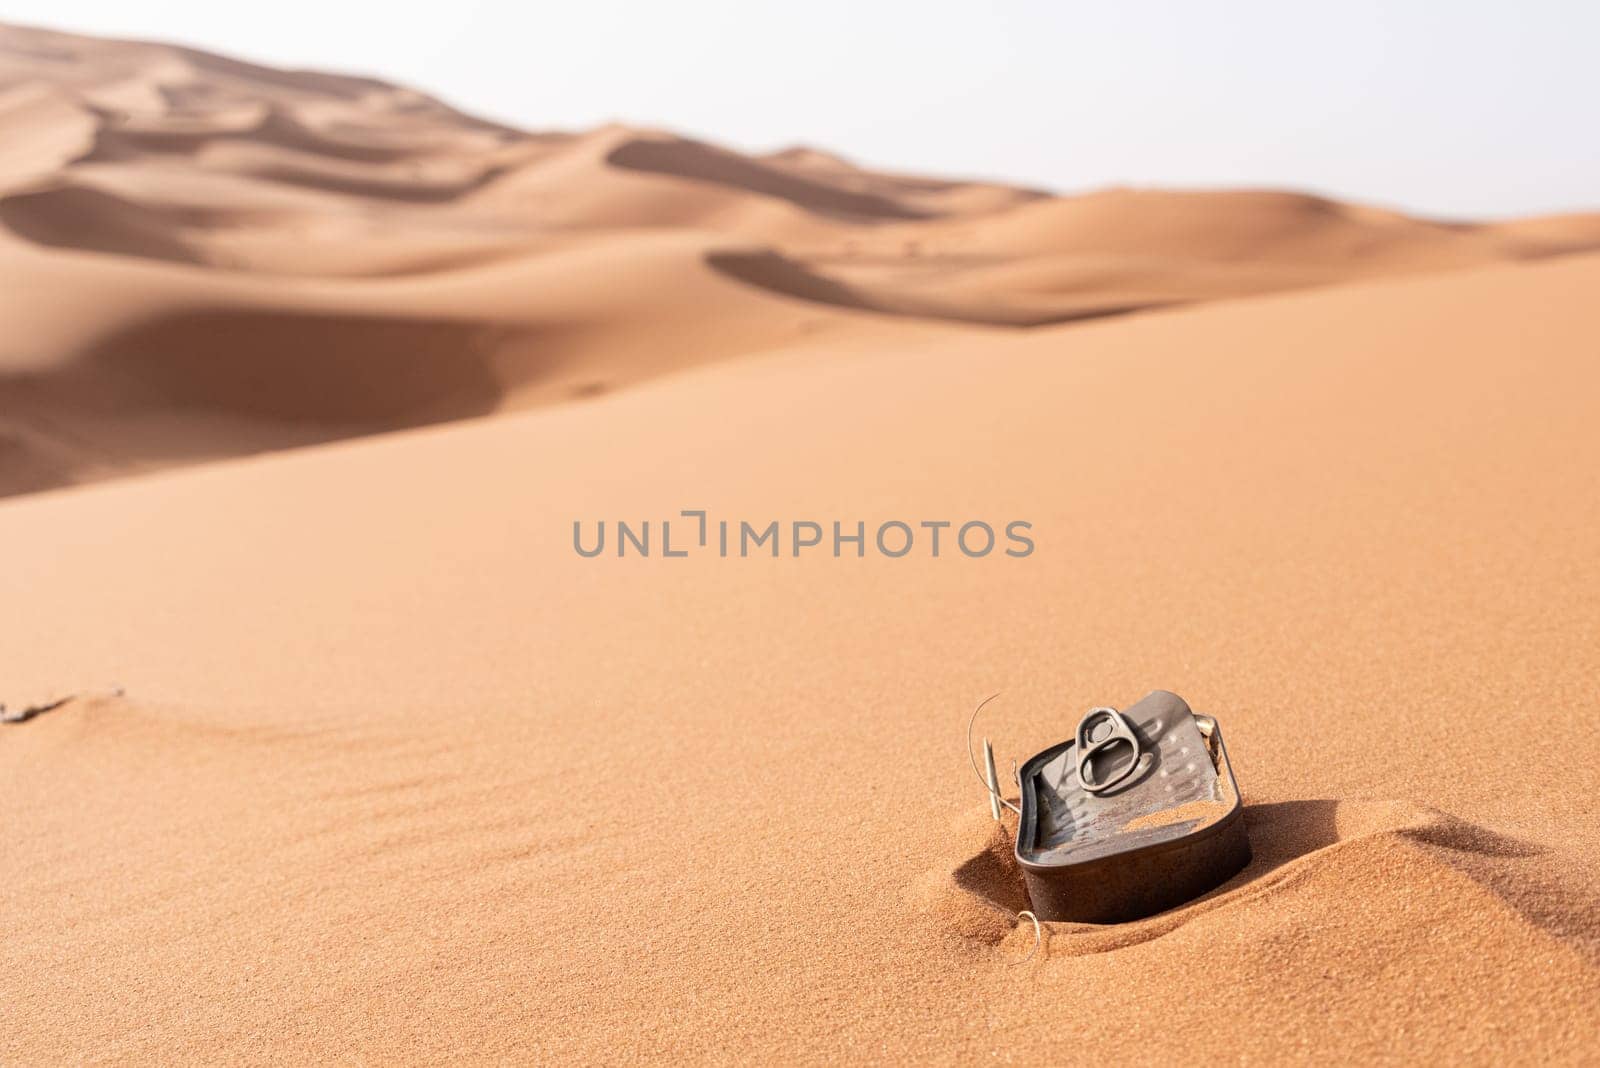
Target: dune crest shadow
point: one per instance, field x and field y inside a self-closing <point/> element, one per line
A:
<point x="776" y="273"/>
<point x="305" y="366"/>
<point x="705" y="163"/>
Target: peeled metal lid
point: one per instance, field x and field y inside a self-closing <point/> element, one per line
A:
<point x="1147" y="777"/>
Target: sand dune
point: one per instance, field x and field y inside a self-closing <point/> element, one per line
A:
<point x="91" y="220"/>
<point x="43" y="131"/>
<point x="363" y="762"/>
<point x="568" y="263"/>
<point x="345" y="754"/>
<point x="174" y="366"/>
<point x="687" y="159"/>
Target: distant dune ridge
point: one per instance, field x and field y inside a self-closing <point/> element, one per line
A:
<point x="201" y="257"/>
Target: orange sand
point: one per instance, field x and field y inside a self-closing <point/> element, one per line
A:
<point x="395" y="774"/>
<point x="1202" y="813"/>
<point x="203" y="258"/>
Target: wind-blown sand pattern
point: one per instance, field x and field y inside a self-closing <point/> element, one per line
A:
<point x="368" y="764"/>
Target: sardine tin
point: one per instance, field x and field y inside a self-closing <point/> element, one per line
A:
<point x="1171" y="831"/>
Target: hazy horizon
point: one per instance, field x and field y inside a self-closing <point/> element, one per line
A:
<point x="1478" y="113"/>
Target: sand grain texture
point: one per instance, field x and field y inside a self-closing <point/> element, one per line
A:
<point x="399" y="775"/>
<point x="369" y="765"/>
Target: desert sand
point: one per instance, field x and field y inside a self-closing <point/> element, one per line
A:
<point x="344" y="753"/>
<point x="202" y="258"/>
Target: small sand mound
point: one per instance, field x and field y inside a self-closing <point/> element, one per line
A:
<point x="981" y="897"/>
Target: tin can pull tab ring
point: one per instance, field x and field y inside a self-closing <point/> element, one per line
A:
<point x="1100" y="729"/>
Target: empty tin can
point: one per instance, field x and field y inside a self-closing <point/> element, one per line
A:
<point x="1137" y="813"/>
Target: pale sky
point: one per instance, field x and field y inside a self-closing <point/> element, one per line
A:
<point x="1446" y="108"/>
